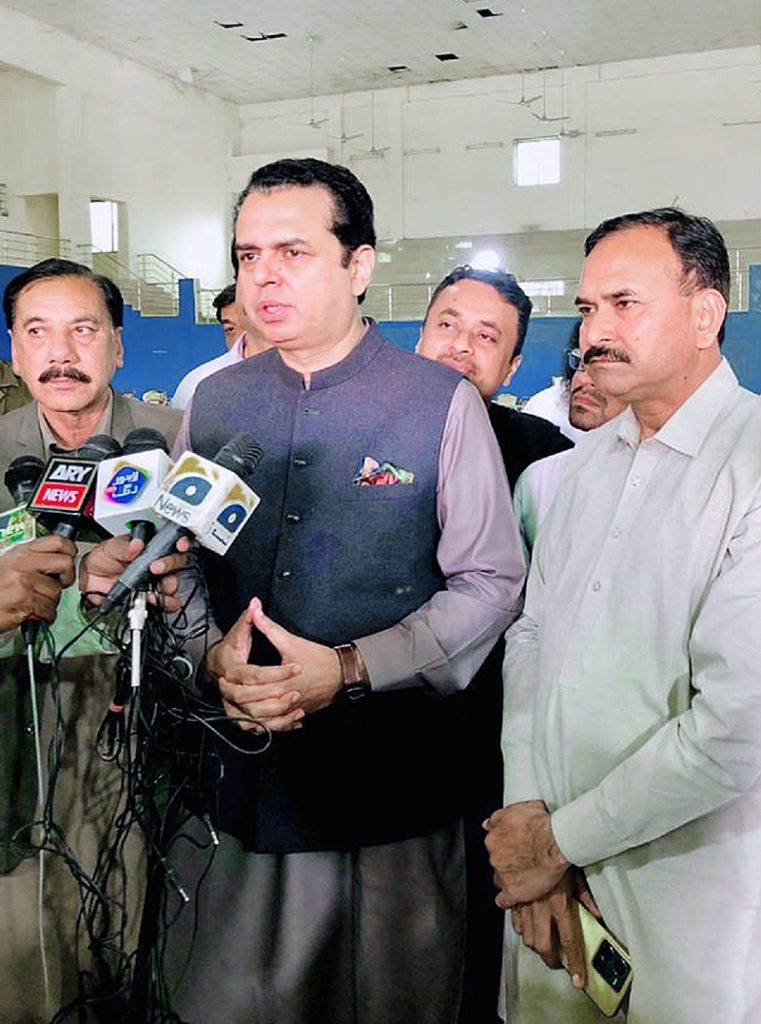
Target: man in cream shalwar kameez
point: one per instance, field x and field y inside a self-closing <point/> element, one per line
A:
<point x="633" y="709"/>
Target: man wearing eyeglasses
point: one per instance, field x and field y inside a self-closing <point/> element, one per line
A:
<point x="588" y="408"/>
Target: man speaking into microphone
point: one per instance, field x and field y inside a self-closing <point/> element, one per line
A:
<point x="359" y="600"/>
<point x="65" y="324"/>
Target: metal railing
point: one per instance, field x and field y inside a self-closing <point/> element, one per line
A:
<point x="155" y="270"/>
<point x="161" y="282"/>
<point x="739" y="262"/>
<point x="410" y="301"/>
<point x="205" y="312"/>
<point x="153" y="289"/>
<point x="20" y="249"/>
<point x="150" y="298"/>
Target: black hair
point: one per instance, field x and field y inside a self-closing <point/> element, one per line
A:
<point x="53" y="268"/>
<point x="696" y="241"/>
<point x="502" y="282"/>
<point x="225" y="298"/>
<point x="352" y="224"/>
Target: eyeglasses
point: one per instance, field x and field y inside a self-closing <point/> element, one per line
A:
<point x="574" y="359"/>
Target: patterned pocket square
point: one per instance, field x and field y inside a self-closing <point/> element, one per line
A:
<point x="377" y="474"/>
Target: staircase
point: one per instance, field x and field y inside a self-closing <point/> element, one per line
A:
<point x="152" y="289"/>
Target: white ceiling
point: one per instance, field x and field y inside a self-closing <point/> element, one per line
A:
<point x="356" y="41"/>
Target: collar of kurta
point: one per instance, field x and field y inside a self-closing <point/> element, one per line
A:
<point x="687" y="428"/>
<point x="357" y="360"/>
<point x="236" y="349"/>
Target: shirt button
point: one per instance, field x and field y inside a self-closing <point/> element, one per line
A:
<point x="292" y="517"/>
<point x="299" y="461"/>
<point x="616" y="531"/>
<point x="596" y="585"/>
<point x="636" y="481"/>
<point x="284" y="574"/>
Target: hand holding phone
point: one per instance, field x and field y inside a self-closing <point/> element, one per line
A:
<point x="608" y="968"/>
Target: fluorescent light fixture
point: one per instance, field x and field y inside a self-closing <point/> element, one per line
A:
<point x="614" y="132"/>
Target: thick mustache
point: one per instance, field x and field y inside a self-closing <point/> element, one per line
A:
<point x="617" y="355"/>
<point x="53" y="372"/>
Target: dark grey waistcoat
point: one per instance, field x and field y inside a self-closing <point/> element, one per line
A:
<point x="334" y="561"/>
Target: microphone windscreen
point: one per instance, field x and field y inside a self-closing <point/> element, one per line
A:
<point x="22" y="476"/>
<point x="99" y="447"/>
<point x="240" y="455"/>
<point x="144" y="439"/>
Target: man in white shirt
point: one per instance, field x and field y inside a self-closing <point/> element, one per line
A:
<point x="633" y="733"/>
<point x="242" y="340"/>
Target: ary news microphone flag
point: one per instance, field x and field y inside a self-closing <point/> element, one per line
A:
<point x="64" y="498"/>
<point x="127" y="485"/>
<point x="17" y="525"/>
<point x="202" y="498"/>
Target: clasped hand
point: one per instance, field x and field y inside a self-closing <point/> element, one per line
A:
<point x="526" y="859"/>
<point x="538" y="885"/>
<point x="278" y="696"/>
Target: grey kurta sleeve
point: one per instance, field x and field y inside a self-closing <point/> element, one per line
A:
<point x="708" y="755"/>
<point x="444" y="642"/>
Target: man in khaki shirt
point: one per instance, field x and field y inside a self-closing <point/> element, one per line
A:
<point x="65" y="325"/>
<point x="13" y="391"/>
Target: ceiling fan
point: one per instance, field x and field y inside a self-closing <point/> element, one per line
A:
<point x="570" y="133"/>
<point x="373" y="151"/>
<point x="524" y="101"/>
<point x="313" y="122"/>
<point x="343" y="137"/>
<point x="544" y="116"/>
<point x="317" y="123"/>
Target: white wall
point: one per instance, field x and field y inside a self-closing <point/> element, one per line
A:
<point x="79" y="122"/>
<point x="93" y="124"/>
<point x="428" y="183"/>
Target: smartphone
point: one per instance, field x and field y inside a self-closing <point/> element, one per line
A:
<point x="609" y="970"/>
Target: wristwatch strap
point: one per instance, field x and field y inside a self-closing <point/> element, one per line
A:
<point x="354" y="681"/>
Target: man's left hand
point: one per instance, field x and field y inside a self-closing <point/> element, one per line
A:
<point x="320" y="670"/>
<point x="526" y="859"/>
<point x="101" y="567"/>
<point x="551" y="927"/>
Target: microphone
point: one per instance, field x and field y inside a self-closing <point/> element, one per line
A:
<point x="21" y="478"/>
<point x="201" y="498"/>
<point x="64" y="498"/>
<point x="128" y="484"/>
